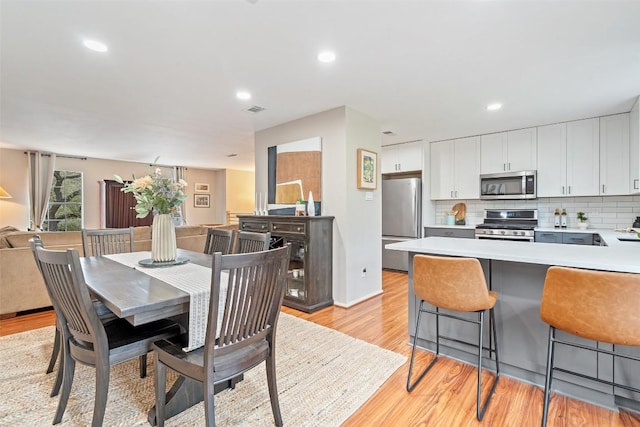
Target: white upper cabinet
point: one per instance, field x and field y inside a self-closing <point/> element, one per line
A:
<point x="568" y="159"/>
<point x="583" y="163"/>
<point x="508" y="151"/>
<point x="552" y="160"/>
<point x="455" y="169"/>
<point x="634" y="143"/>
<point x="614" y="154"/>
<point x="401" y="157"/>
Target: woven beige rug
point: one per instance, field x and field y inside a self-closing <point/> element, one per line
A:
<point x="323" y="377"/>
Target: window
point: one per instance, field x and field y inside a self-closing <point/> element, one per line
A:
<point x="65" y="202"/>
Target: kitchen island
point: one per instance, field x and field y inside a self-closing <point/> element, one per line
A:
<point x="516" y="270"/>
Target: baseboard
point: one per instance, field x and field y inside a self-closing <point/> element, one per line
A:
<point x="358" y="301"/>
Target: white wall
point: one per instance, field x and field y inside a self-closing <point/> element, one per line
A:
<point x="355" y="240"/>
<point x="13" y="178"/>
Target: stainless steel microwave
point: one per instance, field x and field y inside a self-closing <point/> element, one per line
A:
<point x="508" y="185"/>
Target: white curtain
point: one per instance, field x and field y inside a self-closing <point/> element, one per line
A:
<point x="180" y="216"/>
<point x="40" y="169"/>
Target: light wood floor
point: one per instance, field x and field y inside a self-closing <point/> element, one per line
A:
<point x="446" y="397"/>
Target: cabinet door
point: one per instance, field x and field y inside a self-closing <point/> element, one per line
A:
<point x="409" y="157"/>
<point x="493" y="153"/>
<point x="634" y="143"/>
<point x="552" y="160"/>
<point x="467" y="168"/>
<point x="389" y="159"/>
<point x="614" y="154"/>
<point x="521" y="150"/>
<point x="583" y="165"/>
<point x="441" y="171"/>
<point x="466" y="233"/>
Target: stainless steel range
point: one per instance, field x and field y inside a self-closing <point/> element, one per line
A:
<point x="508" y="224"/>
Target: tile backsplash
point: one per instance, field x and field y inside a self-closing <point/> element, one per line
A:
<point x="604" y="212"/>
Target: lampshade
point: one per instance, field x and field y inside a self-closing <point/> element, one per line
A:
<point x="4" y="194"/>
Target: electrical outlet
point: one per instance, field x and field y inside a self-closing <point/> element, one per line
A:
<point x="364" y="271"/>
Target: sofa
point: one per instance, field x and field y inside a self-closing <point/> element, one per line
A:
<point x="21" y="285"/>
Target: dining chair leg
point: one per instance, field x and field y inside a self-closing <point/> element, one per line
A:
<point x="273" y="388"/>
<point x="102" y="391"/>
<point x="548" y="375"/>
<point x="67" y="382"/>
<point x="59" y="375"/>
<point x="55" y="352"/>
<point x="160" y="387"/>
<point x="143" y="366"/>
<point x="209" y="401"/>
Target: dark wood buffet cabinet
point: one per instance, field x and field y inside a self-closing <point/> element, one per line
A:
<point x="309" y="280"/>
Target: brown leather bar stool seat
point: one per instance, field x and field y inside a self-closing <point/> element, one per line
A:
<point x="456" y="284"/>
<point x="595" y="305"/>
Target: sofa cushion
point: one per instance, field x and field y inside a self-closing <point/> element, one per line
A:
<point x="49" y="238"/>
<point x="4" y="232"/>
<point x="190" y="230"/>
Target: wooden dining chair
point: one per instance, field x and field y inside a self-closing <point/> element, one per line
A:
<point x="248" y="241"/>
<point x="241" y="328"/>
<point x="219" y="240"/>
<point x="107" y="241"/>
<point x="103" y="312"/>
<point x="84" y="337"/>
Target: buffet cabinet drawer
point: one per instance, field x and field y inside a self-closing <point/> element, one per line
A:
<point x="257" y="226"/>
<point x="288" y="227"/>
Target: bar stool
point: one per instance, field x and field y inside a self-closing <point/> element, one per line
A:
<point x="596" y="305"/>
<point x="456" y="284"/>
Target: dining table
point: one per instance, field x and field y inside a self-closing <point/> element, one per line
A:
<point x="131" y="292"/>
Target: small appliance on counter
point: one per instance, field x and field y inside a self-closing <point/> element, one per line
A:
<point x="636" y="223"/>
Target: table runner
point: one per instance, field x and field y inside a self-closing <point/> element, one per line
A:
<point x="191" y="278"/>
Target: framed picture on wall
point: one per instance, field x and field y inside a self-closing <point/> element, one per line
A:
<point x="201" y="201"/>
<point x="201" y="188"/>
<point x="367" y="169"/>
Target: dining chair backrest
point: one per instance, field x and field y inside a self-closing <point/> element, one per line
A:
<point x="248" y="241"/>
<point x="219" y="240"/>
<point x="252" y="301"/>
<point x="69" y="292"/>
<point x="107" y="241"/>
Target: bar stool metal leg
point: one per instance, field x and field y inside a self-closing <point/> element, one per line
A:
<point x="410" y="386"/>
<point x="481" y="409"/>
<point x="549" y="376"/>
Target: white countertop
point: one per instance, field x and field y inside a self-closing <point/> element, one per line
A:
<point x="616" y="256"/>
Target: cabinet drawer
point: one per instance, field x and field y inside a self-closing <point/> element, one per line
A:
<point x="259" y="226"/>
<point x="548" y="237"/>
<point x="577" y="238"/>
<point x="288" y="227"/>
<point x="449" y="232"/>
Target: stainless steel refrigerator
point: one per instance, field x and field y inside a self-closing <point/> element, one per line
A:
<point x="401" y="218"/>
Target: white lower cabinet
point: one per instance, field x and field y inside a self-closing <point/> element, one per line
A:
<point x="455" y="169"/>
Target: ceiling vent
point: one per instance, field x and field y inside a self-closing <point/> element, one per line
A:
<point x="255" y="109"/>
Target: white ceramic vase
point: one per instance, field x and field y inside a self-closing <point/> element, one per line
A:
<point x="583" y="225"/>
<point x="163" y="239"/>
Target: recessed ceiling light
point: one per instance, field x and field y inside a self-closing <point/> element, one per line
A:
<point x="327" y="56"/>
<point x="95" y="45"/>
<point x="243" y="94"/>
<point x="494" y="107"/>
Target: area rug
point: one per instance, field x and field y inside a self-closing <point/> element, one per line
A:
<point x="323" y="377"/>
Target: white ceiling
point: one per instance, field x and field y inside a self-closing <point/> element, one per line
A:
<point x="423" y="69"/>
